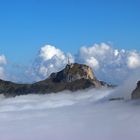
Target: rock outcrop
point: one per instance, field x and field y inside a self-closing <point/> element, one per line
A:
<point x="136" y="92"/>
<point x="73" y="77"/>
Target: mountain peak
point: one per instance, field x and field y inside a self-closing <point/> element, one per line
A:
<point x="73" y="72"/>
<point x="73" y="77"/>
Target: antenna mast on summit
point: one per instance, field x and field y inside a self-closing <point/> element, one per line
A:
<point x="68" y="60"/>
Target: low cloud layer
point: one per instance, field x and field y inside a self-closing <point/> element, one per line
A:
<point x="82" y="115"/>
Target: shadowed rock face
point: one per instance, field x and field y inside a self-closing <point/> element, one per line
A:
<point x="136" y="92"/>
<point x="73" y="77"/>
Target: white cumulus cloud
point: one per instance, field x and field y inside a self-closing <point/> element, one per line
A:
<point x="50" y="59"/>
<point x="108" y="63"/>
<point x="3" y="59"/>
<point x="3" y="62"/>
<point x="48" y="52"/>
<point x="133" y="60"/>
<point x="92" y="62"/>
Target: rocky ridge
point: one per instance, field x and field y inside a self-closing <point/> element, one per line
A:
<point x="73" y="77"/>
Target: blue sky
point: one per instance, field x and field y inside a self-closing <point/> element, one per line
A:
<point x="27" y="25"/>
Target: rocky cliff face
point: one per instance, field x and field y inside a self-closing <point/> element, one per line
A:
<point x="73" y="77"/>
<point x="136" y="92"/>
<point x="73" y="72"/>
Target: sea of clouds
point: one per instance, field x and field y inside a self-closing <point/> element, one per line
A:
<point x="70" y="115"/>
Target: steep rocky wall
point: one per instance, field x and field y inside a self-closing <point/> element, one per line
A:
<point x="136" y="92"/>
